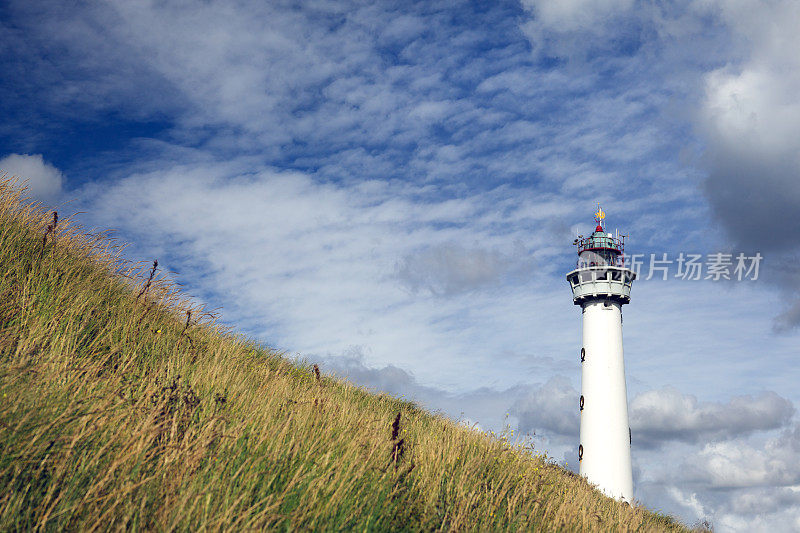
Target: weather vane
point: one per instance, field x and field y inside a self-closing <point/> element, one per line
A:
<point x="600" y="215"/>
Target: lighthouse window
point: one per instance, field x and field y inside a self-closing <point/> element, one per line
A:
<point x="616" y="275"/>
<point x="573" y="280"/>
<point x="587" y="276"/>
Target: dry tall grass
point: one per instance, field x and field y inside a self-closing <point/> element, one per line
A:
<point x="120" y="410"/>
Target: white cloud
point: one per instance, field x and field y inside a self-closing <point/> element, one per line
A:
<point x="43" y="180"/>
<point x="451" y="268"/>
<point x="551" y="407"/>
<point x="739" y="463"/>
<point x="658" y="416"/>
<point x="745" y="482"/>
<point x="574" y="28"/>
<point x="755" y="108"/>
<point x="313" y="267"/>
<point x="751" y="119"/>
<point x="689" y="501"/>
<point x="570" y="15"/>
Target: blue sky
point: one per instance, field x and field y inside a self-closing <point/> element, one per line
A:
<point x="392" y="190"/>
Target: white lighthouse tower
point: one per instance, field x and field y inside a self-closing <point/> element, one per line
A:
<point x="601" y="285"/>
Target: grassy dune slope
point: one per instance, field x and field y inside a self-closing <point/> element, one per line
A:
<point x="120" y="410"/>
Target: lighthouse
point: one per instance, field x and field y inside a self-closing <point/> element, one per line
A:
<point x="601" y="285"/>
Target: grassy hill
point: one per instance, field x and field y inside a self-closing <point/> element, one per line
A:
<point x="123" y="407"/>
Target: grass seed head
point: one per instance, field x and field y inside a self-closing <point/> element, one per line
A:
<point x="396" y="426"/>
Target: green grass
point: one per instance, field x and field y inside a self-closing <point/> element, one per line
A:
<point x="120" y="409"/>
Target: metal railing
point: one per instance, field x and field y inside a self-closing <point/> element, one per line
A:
<point x="600" y="242"/>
